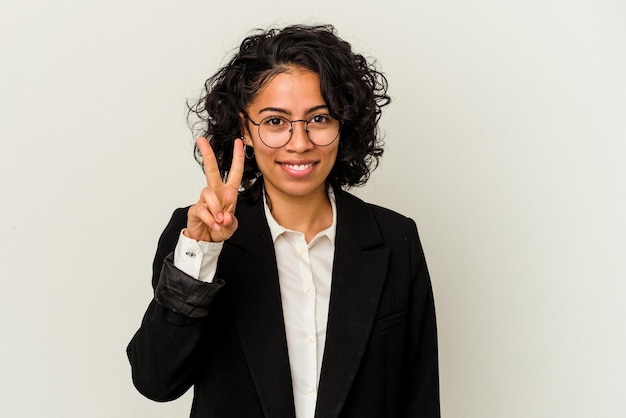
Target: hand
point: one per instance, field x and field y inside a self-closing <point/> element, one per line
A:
<point x="212" y="218"/>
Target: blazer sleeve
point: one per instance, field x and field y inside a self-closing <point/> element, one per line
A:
<point x="423" y="369"/>
<point x="164" y="352"/>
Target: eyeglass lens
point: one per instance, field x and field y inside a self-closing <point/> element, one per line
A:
<point x="276" y="131"/>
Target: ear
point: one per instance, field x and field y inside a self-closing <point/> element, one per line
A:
<point x="247" y="141"/>
<point x="245" y="132"/>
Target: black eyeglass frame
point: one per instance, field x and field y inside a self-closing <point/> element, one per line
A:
<point x="306" y="129"/>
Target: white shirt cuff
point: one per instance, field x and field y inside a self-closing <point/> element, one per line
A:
<point x="198" y="259"/>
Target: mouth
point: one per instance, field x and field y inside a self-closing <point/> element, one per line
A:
<point x="298" y="167"/>
<point x="298" y="170"/>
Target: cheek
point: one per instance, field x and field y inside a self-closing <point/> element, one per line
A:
<point x="332" y="155"/>
<point x="263" y="158"/>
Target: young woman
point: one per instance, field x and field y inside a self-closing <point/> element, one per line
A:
<point x="278" y="294"/>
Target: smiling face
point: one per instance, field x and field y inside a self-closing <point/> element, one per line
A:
<point x="299" y="169"/>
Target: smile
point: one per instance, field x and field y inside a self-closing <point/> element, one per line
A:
<point x="298" y="167"/>
<point x="298" y="170"/>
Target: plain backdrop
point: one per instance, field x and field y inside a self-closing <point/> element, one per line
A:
<point x="506" y="142"/>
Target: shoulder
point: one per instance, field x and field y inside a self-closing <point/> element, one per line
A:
<point x="170" y="234"/>
<point x="351" y="203"/>
<point x="372" y="226"/>
<point x="178" y="220"/>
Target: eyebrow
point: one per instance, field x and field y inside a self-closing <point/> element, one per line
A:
<point x="286" y="112"/>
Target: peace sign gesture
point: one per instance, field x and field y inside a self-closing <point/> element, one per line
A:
<point x="212" y="218"/>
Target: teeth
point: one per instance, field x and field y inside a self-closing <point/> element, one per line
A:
<point x="298" y="167"/>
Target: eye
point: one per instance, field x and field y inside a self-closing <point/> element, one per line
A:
<point x="321" y="119"/>
<point x="275" y="122"/>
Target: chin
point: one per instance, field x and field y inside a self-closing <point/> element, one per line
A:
<point x="300" y="189"/>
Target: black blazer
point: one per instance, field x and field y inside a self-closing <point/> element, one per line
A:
<point x="227" y="338"/>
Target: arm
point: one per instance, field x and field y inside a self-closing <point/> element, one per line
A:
<point x="164" y="353"/>
<point x="423" y="368"/>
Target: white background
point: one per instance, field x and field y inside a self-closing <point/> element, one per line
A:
<point x="506" y="142"/>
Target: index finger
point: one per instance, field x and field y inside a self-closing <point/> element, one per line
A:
<point x="235" y="174"/>
<point x="211" y="169"/>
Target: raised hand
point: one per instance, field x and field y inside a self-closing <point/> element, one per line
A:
<point x="212" y="218"/>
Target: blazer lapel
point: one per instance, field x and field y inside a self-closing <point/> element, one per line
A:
<point x="359" y="272"/>
<point x="257" y="309"/>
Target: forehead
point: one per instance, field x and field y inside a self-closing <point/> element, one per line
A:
<point x="292" y="91"/>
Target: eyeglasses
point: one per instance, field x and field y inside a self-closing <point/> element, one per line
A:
<point x="276" y="131"/>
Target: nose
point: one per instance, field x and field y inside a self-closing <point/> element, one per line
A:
<point x="299" y="141"/>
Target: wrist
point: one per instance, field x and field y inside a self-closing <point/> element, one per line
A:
<point x="198" y="239"/>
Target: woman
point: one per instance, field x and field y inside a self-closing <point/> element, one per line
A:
<point x="278" y="294"/>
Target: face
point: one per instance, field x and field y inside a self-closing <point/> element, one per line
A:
<point x="299" y="169"/>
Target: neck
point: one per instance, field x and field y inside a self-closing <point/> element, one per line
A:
<point x="309" y="215"/>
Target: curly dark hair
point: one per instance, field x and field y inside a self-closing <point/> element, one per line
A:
<point x="353" y="89"/>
